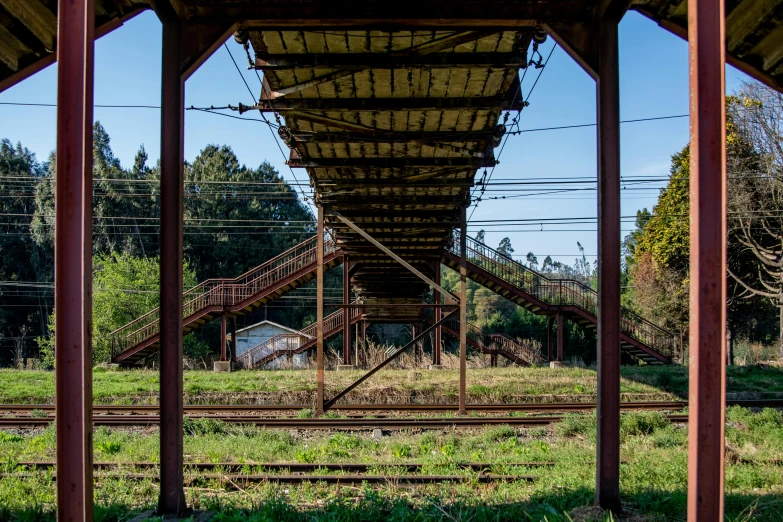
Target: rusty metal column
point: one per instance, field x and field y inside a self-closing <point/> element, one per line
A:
<point x="607" y="491"/>
<point x="560" y="337"/>
<point x="346" y="313"/>
<point x="707" y="387"/>
<point x="319" y="327"/>
<point x="223" y="337"/>
<point x="233" y="338"/>
<point x="437" y="315"/>
<point x="549" y="335"/>
<point x="172" y="495"/>
<point x="463" y="308"/>
<point x="73" y="260"/>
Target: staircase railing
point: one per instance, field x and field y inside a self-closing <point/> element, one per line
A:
<point x="561" y="292"/>
<point x="497" y="341"/>
<point x="223" y="292"/>
<point x="288" y="342"/>
<point x="512" y="346"/>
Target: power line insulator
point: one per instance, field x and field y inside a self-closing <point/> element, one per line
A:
<point x="539" y="35"/>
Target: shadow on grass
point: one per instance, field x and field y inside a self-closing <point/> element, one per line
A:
<point x="375" y="506"/>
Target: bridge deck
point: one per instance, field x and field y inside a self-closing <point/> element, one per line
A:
<point x="391" y="127"/>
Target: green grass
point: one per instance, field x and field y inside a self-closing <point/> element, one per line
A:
<point x="653" y="471"/>
<point x="298" y="387"/>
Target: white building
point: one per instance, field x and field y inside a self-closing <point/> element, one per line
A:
<point x="266" y="338"/>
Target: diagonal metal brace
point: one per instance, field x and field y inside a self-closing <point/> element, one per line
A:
<point x="397" y="258"/>
<point x="328" y="404"/>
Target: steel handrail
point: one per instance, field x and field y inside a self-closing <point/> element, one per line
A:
<point x="561" y="292"/>
<point x="223" y="292"/>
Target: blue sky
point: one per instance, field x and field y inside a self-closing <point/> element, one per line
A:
<point x="653" y="83"/>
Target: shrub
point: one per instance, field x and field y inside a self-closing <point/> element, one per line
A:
<point x="642" y="423"/>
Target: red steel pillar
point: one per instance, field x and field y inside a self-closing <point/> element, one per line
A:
<point x="549" y="340"/>
<point x="223" y="338"/>
<point x="560" y="337"/>
<point x="234" y="338"/>
<point x="73" y="260"/>
<point x="463" y="309"/>
<point x="707" y="387"/>
<point x="319" y="380"/>
<point x="608" y="110"/>
<point x="172" y="495"/>
<point x="346" y="313"/>
<point x="437" y="315"/>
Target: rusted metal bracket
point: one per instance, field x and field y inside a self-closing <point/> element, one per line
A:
<point x="328" y="404"/>
<point x="394" y="256"/>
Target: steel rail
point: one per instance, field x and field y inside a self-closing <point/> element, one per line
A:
<point x="275" y="408"/>
<point x="389" y="423"/>
<point x="298" y="479"/>
<point x="292" y="467"/>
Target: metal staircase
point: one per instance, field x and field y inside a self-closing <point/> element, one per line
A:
<point x="140" y="338"/>
<point x="547" y="296"/>
<point x="290" y="344"/>
<point x="494" y="344"/>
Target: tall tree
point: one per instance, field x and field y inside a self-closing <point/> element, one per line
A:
<point x="755" y="196"/>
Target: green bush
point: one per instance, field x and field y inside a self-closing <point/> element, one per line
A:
<point x="642" y="423"/>
<point x="204" y="426"/>
<point x="573" y="424"/>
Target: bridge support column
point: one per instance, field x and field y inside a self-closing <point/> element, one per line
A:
<point x="436" y="347"/>
<point x="172" y="495"/>
<point x="223" y="336"/>
<point x="560" y="337"/>
<point x="346" y="313"/>
<point x="707" y="388"/>
<point x="233" y="355"/>
<point x="608" y="109"/>
<point x="319" y="271"/>
<point x="463" y="309"/>
<point x="73" y="260"/>
<point x="549" y="339"/>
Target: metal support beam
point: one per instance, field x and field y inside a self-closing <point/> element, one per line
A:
<point x="390" y="163"/>
<point x="73" y="261"/>
<point x="319" y="357"/>
<point x="608" y="110"/>
<point x="346" y="311"/>
<point x="707" y="387"/>
<point x="385" y="104"/>
<point x="560" y="337"/>
<point x="394" y="256"/>
<point x="223" y="337"/>
<point x="391" y="137"/>
<point x="233" y="355"/>
<point x="463" y="308"/>
<point x="172" y="495"/>
<point x="385" y="362"/>
<point x="549" y="339"/>
<point x="437" y="314"/>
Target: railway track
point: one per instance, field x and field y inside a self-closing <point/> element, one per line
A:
<point x="223" y="409"/>
<point x="289" y="467"/>
<point x="291" y="472"/>
<point x="269" y="416"/>
<point x="298" y="479"/>
<point x="389" y="423"/>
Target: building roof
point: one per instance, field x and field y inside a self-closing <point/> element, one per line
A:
<point x="266" y="323"/>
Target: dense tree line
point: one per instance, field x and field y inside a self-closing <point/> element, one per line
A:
<point x="657" y="260"/>
<point x="236" y="217"/>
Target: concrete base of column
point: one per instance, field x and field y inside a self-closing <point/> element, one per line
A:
<point x="558" y="364"/>
<point x="221" y="366"/>
<point x="344" y="367"/>
<point x="435" y="367"/>
<point x="109" y="366"/>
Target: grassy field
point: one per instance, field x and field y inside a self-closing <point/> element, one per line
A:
<point x="388" y="386"/>
<point x="654" y="472"/>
